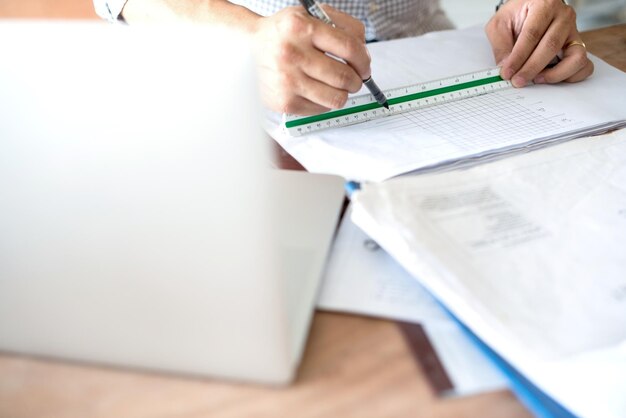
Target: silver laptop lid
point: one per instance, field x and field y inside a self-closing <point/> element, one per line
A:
<point x="133" y="201"/>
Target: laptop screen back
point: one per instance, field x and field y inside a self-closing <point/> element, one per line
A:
<point x="134" y="201"/>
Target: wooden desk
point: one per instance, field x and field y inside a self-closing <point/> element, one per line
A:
<point x="352" y="367"/>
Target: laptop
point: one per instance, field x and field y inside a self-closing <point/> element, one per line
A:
<point x="141" y="224"/>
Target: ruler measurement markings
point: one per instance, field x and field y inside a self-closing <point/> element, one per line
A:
<point x="401" y="99"/>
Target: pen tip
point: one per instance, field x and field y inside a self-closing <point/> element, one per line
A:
<point x="386" y="105"/>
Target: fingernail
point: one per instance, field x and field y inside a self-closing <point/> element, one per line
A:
<point x="507" y="73"/>
<point x="540" y="79"/>
<point x="518" y="81"/>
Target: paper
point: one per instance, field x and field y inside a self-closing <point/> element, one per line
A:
<point x="529" y="253"/>
<point x="362" y="278"/>
<point x="475" y="127"/>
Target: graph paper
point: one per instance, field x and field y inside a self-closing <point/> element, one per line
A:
<point x="479" y="121"/>
<point x="460" y="132"/>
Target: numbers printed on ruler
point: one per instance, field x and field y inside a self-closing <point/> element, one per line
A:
<point x="403" y="99"/>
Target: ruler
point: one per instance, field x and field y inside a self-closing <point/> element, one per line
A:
<point x="403" y="99"/>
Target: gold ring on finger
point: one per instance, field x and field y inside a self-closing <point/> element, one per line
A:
<point x="572" y="43"/>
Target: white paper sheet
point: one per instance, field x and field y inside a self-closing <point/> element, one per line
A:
<point x="530" y="253"/>
<point x="427" y="138"/>
<point x="362" y="278"/>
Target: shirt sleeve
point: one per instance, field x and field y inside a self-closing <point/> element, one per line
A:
<point x="110" y="10"/>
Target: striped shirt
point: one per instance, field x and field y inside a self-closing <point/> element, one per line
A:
<point x="383" y="19"/>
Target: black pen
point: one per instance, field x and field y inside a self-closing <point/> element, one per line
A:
<point x="316" y="11"/>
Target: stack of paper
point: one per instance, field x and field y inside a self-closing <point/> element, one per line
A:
<point x="460" y="132"/>
<point x="529" y="252"/>
<point x="362" y="278"/>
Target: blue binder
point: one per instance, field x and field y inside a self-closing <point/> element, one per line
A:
<point x="537" y="401"/>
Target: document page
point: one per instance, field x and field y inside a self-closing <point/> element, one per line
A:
<point x="430" y="137"/>
<point x="362" y="278"/>
<point x="529" y="252"/>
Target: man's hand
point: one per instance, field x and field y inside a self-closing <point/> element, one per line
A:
<point x="526" y="35"/>
<point x="296" y="74"/>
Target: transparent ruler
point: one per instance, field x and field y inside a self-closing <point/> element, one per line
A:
<point x="403" y="99"/>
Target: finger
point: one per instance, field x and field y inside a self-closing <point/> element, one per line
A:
<point x="574" y="60"/>
<point x="346" y="22"/>
<point x="343" y="45"/>
<point x="304" y="107"/>
<point x="582" y="74"/>
<point x="291" y="103"/>
<point x="281" y="91"/>
<point x="533" y="30"/>
<point x="502" y="39"/>
<point x="329" y="71"/>
<point x="320" y="93"/>
<point x="553" y="40"/>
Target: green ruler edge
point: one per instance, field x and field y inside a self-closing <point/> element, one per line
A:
<point x="394" y="101"/>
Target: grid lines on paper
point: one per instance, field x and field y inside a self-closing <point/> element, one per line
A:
<point x="476" y="122"/>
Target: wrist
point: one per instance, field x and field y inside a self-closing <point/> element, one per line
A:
<point x="234" y="16"/>
<point x="248" y="21"/>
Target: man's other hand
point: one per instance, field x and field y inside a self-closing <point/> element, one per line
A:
<point x="526" y="35"/>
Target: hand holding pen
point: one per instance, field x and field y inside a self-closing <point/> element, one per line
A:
<point x="297" y="76"/>
<point x="316" y="11"/>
